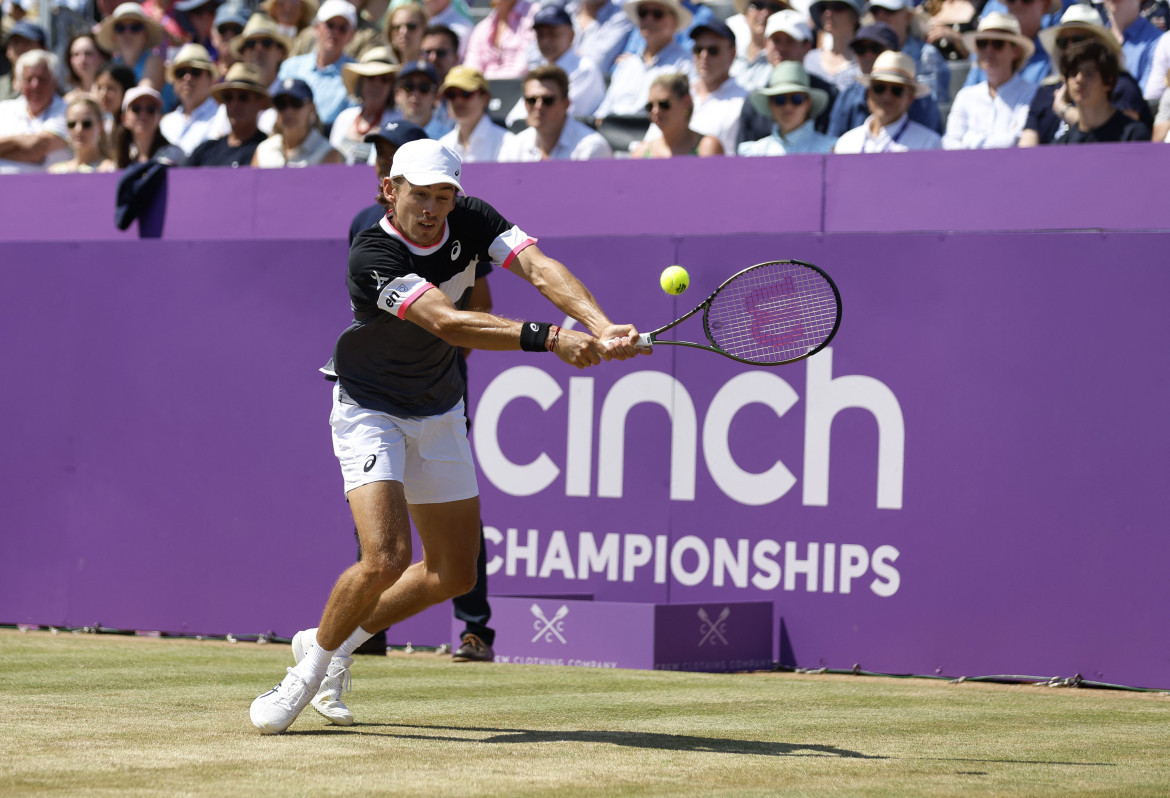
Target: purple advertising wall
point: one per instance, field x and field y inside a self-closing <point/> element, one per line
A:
<point x="969" y="481"/>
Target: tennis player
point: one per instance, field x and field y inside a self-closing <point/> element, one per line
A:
<point x="398" y="418"/>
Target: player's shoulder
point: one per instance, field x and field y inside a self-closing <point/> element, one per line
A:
<point x="374" y="243"/>
<point x="473" y="206"/>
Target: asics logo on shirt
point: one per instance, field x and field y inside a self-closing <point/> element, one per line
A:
<point x="379" y="280"/>
<point x="455" y="250"/>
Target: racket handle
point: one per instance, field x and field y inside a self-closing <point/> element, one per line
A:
<point x="645" y="341"/>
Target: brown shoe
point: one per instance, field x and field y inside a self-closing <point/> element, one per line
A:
<point x="472" y="649"/>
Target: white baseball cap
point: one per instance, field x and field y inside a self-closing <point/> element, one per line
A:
<point x="426" y="162"/>
<point x="337" y="8"/>
<point x="791" y="22"/>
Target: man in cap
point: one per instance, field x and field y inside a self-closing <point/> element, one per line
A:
<point x="657" y="21"/>
<point x="191" y="73"/>
<point x="33" y="135"/>
<point x="475" y="136"/>
<point x="891" y="87"/>
<point x="552" y="133"/>
<point x="399" y="428"/>
<point x="244" y="95"/>
<point x="335" y="24"/>
<point x="415" y="98"/>
<point x="230" y="22"/>
<point x="554" y="42"/>
<point x="932" y="66"/>
<point x="198" y="21"/>
<point x="22" y="37"/>
<point x="718" y="98"/>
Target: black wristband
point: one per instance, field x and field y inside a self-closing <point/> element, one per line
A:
<point x="533" y="336"/>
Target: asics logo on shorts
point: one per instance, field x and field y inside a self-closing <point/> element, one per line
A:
<point x="373" y="458"/>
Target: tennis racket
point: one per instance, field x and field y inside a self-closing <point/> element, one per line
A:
<point x="769" y="314"/>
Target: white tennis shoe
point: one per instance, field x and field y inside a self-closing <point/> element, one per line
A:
<point x="337" y="681"/>
<point x="276" y="710"/>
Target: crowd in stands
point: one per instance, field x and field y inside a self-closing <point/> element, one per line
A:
<point x="284" y="83"/>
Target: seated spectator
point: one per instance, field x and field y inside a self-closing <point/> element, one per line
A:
<point x="297" y="139"/>
<point x="700" y="15"/>
<point x="334" y="25"/>
<point x="602" y="29"/>
<point x="670" y="109"/>
<point x="455" y="17"/>
<point x="1090" y="71"/>
<point x="552" y="134"/>
<point x="371" y="80"/>
<point x="386" y="143"/>
<point x="1051" y="109"/>
<point x="440" y="46"/>
<point x="367" y="34"/>
<point x="131" y="36"/>
<point x="932" y="66"/>
<point x="657" y="21"/>
<point x="291" y="16"/>
<point x="947" y="21"/>
<point x="789" y="38"/>
<point x="475" y="137"/>
<point x="554" y="41"/>
<point x="718" y="99"/>
<point x="1139" y="37"/>
<point x="33" y="135"/>
<point x="404" y="30"/>
<point x="1031" y="16"/>
<point x="230" y="22"/>
<point x="1155" y="85"/>
<point x="891" y="88"/>
<point x="751" y="67"/>
<point x="263" y="46"/>
<point x="22" y="37"/>
<point x="191" y="73"/>
<point x="499" y="43"/>
<point x="852" y="107"/>
<point x="198" y="21"/>
<point x="139" y="138"/>
<point x="245" y="96"/>
<point x="111" y="84"/>
<point x="87" y="139"/>
<point x="839" y="19"/>
<point x="85" y="59"/>
<point x="793" y="104"/>
<point x="992" y="113"/>
<point x="415" y="97"/>
<point x="1162" y="120"/>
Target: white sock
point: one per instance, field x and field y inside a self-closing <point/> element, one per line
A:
<point x="352" y="642"/>
<point x="316" y="662"/>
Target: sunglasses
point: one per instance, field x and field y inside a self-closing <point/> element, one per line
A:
<point x="439" y="52"/>
<point x="129" y="27"/>
<point x="187" y="72"/>
<point x="663" y="105"/>
<point x="285" y="103"/>
<point x="86" y="124"/>
<point x="230" y="31"/>
<point x="837" y="7"/>
<point x="461" y="94"/>
<point x="338" y="27"/>
<point x="1064" y="41"/>
<point x="425" y="87"/>
<point x="267" y="42"/>
<point x="407" y="25"/>
<point x="881" y="88"/>
<point x="145" y="109"/>
<point x="771" y="8"/>
<point x="712" y="50"/>
<point x="994" y="44"/>
<point x="783" y="99"/>
<point x="532" y="102"/>
<point x="861" y="48"/>
<point x="653" y="13"/>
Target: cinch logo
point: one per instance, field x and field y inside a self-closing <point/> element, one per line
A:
<point x="713" y="631"/>
<point x="826" y="396"/>
<point x="549" y="628"/>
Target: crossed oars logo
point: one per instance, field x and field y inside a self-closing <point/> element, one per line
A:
<point x="713" y="630"/>
<point x="548" y="628"/>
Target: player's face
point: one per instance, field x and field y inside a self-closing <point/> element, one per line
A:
<point x="420" y="212"/>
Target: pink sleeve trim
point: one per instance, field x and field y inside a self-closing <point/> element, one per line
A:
<point x="525" y="244"/>
<point x="406" y="303"/>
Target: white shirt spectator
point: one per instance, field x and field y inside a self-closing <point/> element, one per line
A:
<point x="980" y="121"/>
<point x="902" y="135"/>
<point x="1156" y="82"/>
<point x="629" y="88"/>
<point x="586" y="87"/>
<point x="484" y="144"/>
<point x="578" y="142"/>
<point x="270" y="152"/>
<point x="188" y="132"/>
<point x="15" y="121"/>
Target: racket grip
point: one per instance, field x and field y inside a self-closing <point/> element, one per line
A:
<point x="645" y="341"/>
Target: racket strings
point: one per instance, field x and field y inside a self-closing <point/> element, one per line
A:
<point x="774" y="312"/>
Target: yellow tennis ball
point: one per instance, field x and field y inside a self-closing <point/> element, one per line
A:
<point x="674" y="279"/>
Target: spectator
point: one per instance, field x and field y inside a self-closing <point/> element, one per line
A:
<point x="33" y="135"/>
<point x="191" y="72"/>
<point x="718" y="100"/>
<point x="833" y="60"/>
<point x="85" y="59"/>
<point x="1050" y="108"/>
<point x="793" y="103"/>
<point x="947" y="21"/>
<point x="297" y="139"/>
<point x="22" y="37"/>
<point x="1162" y="120"/>
<point x="789" y="38"/>
<point x="1139" y="37"/>
<point x="111" y="84"/>
<point x="87" y="138"/>
<point x="993" y="113"/>
<point x="367" y="34"/>
<point x="657" y="21"/>
<point x="291" y="16"/>
<point x="245" y="95"/>
<point x="554" y="40"/>
<point x="371" y="80"/>
<point x="751" y="67"/>
<point x="455" y="18"/>
<point x="404" y="30"/>
<point x="139" y="138"/>
<point x="130" y="34"/>
<point x="1155" y="85"/>
<point x="335" y="23"/>
<point x="670" y="109"/>
<point x="1030" y="14"/>
<point x="552" y="134"/>
<point x="603" y="30"/>
<point x="230" y="22"/>
<point x="415" y="96"/>
<point x="499" y="43"/>
<point x="1090" y="71"/>
<point x="852" y="106"/>
<point x="263" y="46"/>
<point x="385" y="143"/>
<point x="199" y="19"/>
<point x="932" y="67"/>
<point x="440" y="46"/>
<point x="891" y="87"/>
<point x="700" y="15"/>
<point x="475" y="137"/>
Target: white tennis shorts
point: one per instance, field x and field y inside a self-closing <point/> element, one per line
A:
<point x="429" y="455"/>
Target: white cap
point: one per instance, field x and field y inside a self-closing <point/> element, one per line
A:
<point x="426" y="162"/>
<point x="337" y="8"/>
<point x="139" y="91"/>
<point x="791" y="22"/>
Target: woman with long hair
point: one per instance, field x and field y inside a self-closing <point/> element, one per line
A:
<point x="404" y="30"/>
<point x="111" y="84"/>
<point x="138" y="139"/>
<point x="371" y="80"/>
<point x="87" y="138"/>
<point x="296" y="139"/>
<point x="670" y="108"/>
<point x="81" y="68"/>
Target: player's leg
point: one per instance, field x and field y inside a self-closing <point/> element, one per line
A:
<point x="475" y="642"/>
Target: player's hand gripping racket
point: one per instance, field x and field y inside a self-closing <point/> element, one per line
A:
<point x="770" y="314"/>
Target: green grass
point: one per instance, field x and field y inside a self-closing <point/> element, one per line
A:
<point x="109" y="715"/>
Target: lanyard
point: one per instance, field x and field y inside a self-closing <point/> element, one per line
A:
<point x="893" y="139"/>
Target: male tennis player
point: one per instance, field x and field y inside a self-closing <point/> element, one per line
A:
<point x="398" y="419"/>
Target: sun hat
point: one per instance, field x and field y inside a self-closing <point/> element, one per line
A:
<point x="1082" y="17"/>
<point x="138" y="92"/>
<point x="1000" y="26"/>
<point x="260" y="27"/>
<point x="127" y="11"/>
<point x="681" y="13"/>
<point x="791" y="22"/>
<point x="332" y="9"/>
<point x="375" y="61"/>
<point x="190" y="55"/>
<point x="246" y="77"/>
<point x="894" y="67"/>
<point x="789" y="77"/>
<point x="426" y="162"/>
<point x="464" y="77"/>
<point x="308" y="11"/>
<point x="396" y="133"/>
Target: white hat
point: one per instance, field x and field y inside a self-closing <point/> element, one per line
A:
<point x="791" y="22"/>
<point x="426" y="162"/>
<point x="1000" y="26"/>
<point x="1080" y="17"/>
<point x="894" y="67"/>
<point x="140" y="91"/>
<point x="682" y="14"/>
<point x="337" y="8"/>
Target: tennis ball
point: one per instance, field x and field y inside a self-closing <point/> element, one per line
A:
<point x="674" y="279"/>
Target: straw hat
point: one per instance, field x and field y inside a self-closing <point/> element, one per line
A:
<point x="1080" y="18"/>
<point x="375" y="61"/>
<point x="260" y="27"/>
<point x="241" y="76"/>
<point x="127" y="12"/>
<point x="1000" y="26"/>
<point x="308" y="12"/>
<point x="894" y="67"/>
<point x="190" y="55"/>
<point x="789" y="77"/>
<point x="681" y="13"/>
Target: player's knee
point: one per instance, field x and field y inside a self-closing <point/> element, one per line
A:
<point x="459" y="580"/>
<point x="384" y="569"/>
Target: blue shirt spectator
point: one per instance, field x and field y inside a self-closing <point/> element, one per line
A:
<point x="602" y="30"/>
